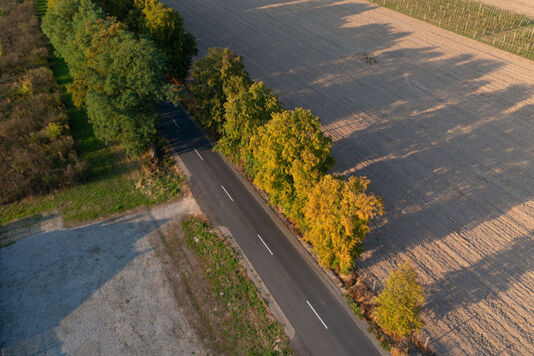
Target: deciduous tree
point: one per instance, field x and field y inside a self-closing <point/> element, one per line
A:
<point x="247" y="108"/>
<point x="291" y="154"/>
<point x="118" y="76"/>
<point x="337" y="214"/>
<point x="213" y="75"/>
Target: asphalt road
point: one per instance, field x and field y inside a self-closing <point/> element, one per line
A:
<point x="322" y="323"/>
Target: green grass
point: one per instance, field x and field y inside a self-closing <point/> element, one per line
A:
<point x="247" y="323"/>
<point x="501" y="28"/>
<point x="110" y="182"/>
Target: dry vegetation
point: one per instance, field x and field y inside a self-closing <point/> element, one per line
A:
<point x="37" y="150"/>
<point x="112" y="182"/>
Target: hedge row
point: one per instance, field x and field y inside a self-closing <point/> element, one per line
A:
<point x="287" y="155"/>
<point x="37" y="152"/>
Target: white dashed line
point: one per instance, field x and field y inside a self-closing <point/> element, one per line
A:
<point x="198" y="154"/>
<point x="267" y="247"/>
<point x="326" y="327"/>
<point x="227" y="193"/>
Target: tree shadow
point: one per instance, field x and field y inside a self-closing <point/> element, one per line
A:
<point x="47" y="276"/>
<point x="486" y="278"/>
<point x="446" y="143"/>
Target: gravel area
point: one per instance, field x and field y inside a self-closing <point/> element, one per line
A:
<point x="440" y="123"/>
<point x="99" y="289"/>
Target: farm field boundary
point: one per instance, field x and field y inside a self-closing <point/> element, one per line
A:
<point x="504" y="29"/>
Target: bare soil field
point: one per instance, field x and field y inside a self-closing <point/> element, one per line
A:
<point x="103" y="288"/>
<point x="519" y="6"/>
<point x="441" y="124"/>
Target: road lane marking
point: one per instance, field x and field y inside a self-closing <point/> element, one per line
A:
<point x="326" y="327"/>
<point x="267" y="247"/>
<point x="198" y="154"/>
<point x="178" y="126"/>
<point x="227" y="193"/>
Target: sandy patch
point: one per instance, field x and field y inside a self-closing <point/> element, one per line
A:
<point x="520" y="6"/>
<point x="95" y="289"/>
<point x="443" y="127"/>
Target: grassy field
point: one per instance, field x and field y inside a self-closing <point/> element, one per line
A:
<point x="500" y="28"/>
<point x="113" y="182"/>
<point x="244" y="319"/>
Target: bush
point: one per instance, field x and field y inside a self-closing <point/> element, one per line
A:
<point x="400" y="303"/>
<point x="37" y="150"/>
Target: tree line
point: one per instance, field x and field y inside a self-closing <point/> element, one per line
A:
<point x="163" y="25"/>
<point x="37" y="152"/>
<point x="287" y="155"/>
<point x="119" y="75"/>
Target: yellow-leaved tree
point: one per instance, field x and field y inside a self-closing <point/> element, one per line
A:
<point x="337" y="215"/>
<point x="247" y="108"/>
<point x="290" y="154"/>
<point x="401" y="302"/>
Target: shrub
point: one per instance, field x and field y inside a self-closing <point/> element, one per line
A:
<point x="400" y="303"/>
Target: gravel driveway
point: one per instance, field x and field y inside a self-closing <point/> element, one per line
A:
<point x="95" y="289"/>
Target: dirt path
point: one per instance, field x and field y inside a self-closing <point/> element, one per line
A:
<point x="443" y="127"/>
<point x="519" y="6"/>
<point x="95" y="289"/>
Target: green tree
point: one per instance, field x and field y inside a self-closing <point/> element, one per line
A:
<point x="291" y="154"/>
<point x="118" y="76"/>
<point x="247" y="108"/>
<point x="401" y="302"/>
<point x="166" y="29"/>
<point x="163" y="25"/>
<point x="337" y="214"/>
<point x="125" y="88"/>
<point x="213" y="76"/>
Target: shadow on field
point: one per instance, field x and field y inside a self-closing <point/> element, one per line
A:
<point x="503" y="269"/>
<point x="446" y="153"/>
<point x="46" y="277"/>
<point x="445" y="142"/>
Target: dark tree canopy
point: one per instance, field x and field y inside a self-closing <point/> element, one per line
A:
<point x="118" y="76"/>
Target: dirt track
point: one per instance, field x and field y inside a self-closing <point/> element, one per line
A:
<point x="442" y="125"/>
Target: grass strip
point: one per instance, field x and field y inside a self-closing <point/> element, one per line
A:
<point x="246" y="321"/>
